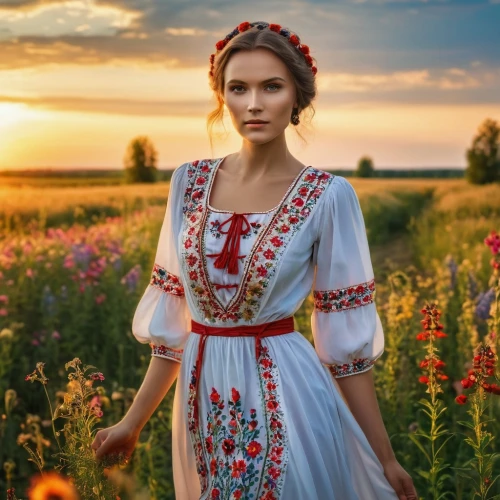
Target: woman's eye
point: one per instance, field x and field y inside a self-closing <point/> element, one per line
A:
<point x="233" y="88"/>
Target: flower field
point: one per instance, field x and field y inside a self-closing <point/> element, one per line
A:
<point x="74" y="262"/>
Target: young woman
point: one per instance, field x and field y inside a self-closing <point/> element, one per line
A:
<point x="259" y="413"/>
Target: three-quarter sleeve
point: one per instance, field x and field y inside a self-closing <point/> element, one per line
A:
<point x="162" y="317"/>
<point x="347" y="331"/>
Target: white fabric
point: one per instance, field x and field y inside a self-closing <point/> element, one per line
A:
<point x="325" y="454"/>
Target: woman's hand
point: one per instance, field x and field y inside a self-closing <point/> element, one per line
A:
<point x="120" y="439"/>
<point x="400" y="480"/>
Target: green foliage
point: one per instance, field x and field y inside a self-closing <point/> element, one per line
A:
<point x="140" y="161"/>
<point x="483" y="157"/>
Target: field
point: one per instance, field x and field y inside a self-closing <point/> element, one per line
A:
<point x="75" y="259"/>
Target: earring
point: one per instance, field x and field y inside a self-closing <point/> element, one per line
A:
<point x="295" y="116"/>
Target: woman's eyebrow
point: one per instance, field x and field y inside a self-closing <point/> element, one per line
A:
<point x="264" y="81"/>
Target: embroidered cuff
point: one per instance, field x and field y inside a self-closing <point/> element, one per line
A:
<point x="166" y="282"/>
<point x="342" y="299"/>
<point x="163" y="351"/>
<point x="359" y="365"/>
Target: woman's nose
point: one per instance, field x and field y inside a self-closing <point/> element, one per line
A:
<point x="254" y="102"/>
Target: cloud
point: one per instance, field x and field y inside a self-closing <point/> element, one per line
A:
<point x="128" y="107"/>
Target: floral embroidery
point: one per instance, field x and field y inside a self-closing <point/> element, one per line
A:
<point x="359" y="365"/>
<point x="166" y="282"/>
<point x="267" y="250"/>
<point x="166" y="352"/>
<point x="214" y="229"/>
<point x="238" y="464"/>
<point x="342" y="299"/>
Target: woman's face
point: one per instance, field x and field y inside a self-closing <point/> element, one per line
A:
<point x="258" y="85"/>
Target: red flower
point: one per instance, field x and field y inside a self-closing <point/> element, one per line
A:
<point x="294" y="40"/>
<point x="239" y="467"/>
<point x="220" y="44"/>
<point x="269" y="254"/>
<point x="252" y="425"/>
<point x="423" y="379"/>
<point x="272" y="405"/>
<point x="254" y="448"/>
<point x="235" y="395"/>
<point x="304" y="49"/>
<point x="274" y="472"/>
<point x="243" y="26"/>
<point x="215" y="396"/>
<point x="209" y="445"/>
<point x="275" y="27"/>
<point x="228" y="446"/>
<point x="467" y="383"/>
<point x="462" y="399"/>
<point x="213" y="466"/>
<point x="215" y="493"/>
<point x="439" y="364"/>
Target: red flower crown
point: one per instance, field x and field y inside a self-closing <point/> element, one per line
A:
<point x="292" y="38"/>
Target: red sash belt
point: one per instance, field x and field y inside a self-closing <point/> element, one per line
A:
<point x="279" y="327"/>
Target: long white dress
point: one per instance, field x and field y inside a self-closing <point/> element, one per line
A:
<point x="276" y="426"/>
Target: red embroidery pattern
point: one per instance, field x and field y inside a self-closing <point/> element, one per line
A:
<point x="166" y="282"/>
<point x="359" y="365"/>
<point x="164" y="351"/>
<point x="267" y="250"/>
<point x="344" y="298"/>
<point x="230" y="456"/>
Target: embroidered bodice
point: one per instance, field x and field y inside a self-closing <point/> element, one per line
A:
<point x="224" y="268"/>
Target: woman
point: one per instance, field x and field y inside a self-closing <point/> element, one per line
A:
<point x="257" y="410"/>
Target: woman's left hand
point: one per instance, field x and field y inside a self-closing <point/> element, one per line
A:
<point x="400" y="480"/>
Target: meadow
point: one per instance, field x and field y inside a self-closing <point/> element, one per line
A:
<point x="75" y="259"/>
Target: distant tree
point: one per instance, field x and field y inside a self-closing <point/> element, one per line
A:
<point x="365" y="167"/>
<point x="140" y="161"/>
<point x="483" y="157"/>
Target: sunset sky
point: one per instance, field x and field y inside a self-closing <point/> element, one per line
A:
<point x="406" y="82"/>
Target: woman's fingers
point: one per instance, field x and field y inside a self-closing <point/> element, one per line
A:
<point x="104" y="447"/>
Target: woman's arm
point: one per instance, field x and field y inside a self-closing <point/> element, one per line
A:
<point x="359" y="392"/>
<point x="159" y="378"/>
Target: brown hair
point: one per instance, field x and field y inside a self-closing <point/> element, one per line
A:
<point x="255" y="38"/>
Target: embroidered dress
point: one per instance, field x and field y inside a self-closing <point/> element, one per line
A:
<point x="263" y="418"/>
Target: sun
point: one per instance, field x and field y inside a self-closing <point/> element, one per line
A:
<point x="13" y="113"/>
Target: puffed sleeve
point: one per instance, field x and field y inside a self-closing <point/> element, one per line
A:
<point x="347" y="331"/>
<point x="162" y="317"/>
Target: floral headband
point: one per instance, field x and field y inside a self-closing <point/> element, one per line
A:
<point x="292" y="38"/>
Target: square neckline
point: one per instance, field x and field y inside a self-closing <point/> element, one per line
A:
<point x="216" y="210"/>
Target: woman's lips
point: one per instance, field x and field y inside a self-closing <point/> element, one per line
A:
<point x="255" y="125"/>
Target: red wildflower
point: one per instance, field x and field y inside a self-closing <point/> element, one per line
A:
<point x="462" y="399"/>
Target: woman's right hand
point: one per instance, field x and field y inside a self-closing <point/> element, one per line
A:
<point x="118" y="439"/>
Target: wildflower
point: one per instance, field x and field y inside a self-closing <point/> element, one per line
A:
<point x="483" y="367"/>
<point x="483" y="304"/>
<point x="6" y="333"/>
<point x="52" y="485"/>
<point x="97" y="376"/>
<point x="462" y="399"/>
